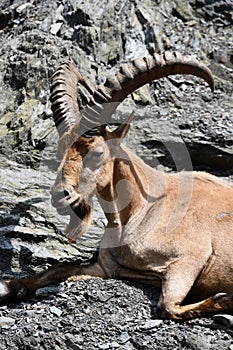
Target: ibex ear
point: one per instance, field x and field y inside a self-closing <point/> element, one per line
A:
<point x="122" y="130"/>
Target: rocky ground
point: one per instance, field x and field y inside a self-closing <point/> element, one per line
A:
<point x="172" y="116"/>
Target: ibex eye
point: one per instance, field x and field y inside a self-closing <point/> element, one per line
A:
<point x="97" y="153"/>
<point x="94" y="156"/>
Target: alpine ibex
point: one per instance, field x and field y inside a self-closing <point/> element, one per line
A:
<point x="182" y="243"/>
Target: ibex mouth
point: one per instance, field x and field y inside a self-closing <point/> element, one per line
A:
<point x="80" y="219"/>
<point x="65" y="205"/>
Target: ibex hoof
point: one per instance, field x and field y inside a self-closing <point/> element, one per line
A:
<point x="4" y="290"/>
<point x="11" y="290"/>
<point x="219" y="296"/>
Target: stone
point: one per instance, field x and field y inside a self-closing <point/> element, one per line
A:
<point x="56" y="311"/>
<point x="104" y="346"/>
<point x="55" y="28"/>
<point x="224" y="319"/>
<point x="124" y="337"/>
<point x="6" y="322"/>
<point x="22" y="7"/>
<point x="46" y="291"/>
<point x="152" y="324"/>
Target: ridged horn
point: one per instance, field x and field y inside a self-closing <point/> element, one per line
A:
<point x="64" y="96"/>
<point x="132" y="76"/>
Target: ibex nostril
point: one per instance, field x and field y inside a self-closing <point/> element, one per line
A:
<point x="66" y="194"/>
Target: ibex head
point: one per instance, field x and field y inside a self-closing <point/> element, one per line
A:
<point x="88" y="146"/>
<point x="86" y="169"/>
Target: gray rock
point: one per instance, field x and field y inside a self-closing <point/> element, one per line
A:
<point x="56" y="311"/>
<point x="104" y="346"/>
<point x="224" y="319"/>
<point x="152" y="324"/>
<point x="124" y="337"/>
<point x="6" y="322"/>
<point x="46" y="291"/>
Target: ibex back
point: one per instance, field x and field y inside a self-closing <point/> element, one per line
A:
<point x="170" y="230"/>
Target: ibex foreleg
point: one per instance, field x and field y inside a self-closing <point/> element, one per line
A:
<point x="21" y="288"/>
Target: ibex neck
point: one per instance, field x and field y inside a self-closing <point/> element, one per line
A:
<point x="127" y="190"/>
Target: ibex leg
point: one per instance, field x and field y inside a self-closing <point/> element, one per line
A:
<point x="17" y="289"/>
<point x="217" y="303"/>
<point x="177" y="282"/>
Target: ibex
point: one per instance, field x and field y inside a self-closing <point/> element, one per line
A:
<point x="170" y="230"/>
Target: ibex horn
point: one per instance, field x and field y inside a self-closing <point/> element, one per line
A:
<point x="64" y="96"/>
<point x="132" y="76"/>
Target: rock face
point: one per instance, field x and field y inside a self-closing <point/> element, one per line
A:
<point x="175" y="119"/>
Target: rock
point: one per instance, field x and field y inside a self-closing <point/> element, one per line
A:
<point x="124" y="337"/>
<point x="152" y="324"/>
<point x="6" y="322"/>
<point x="195" y="342"/>
<point x="46" y="291"/>
<point x="226" y="320"/>
<point x="142" y="96"/>
<point x="55" y="28"/>
<point x="56" y="311"/>
<point x="184" y="10"/>
<point x="22" y="7"/>
<point x="104" y="346"/>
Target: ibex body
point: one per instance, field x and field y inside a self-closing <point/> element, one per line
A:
<point x="170" y="230"/>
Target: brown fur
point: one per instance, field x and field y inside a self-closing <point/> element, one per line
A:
<point x="170" y="230"/>
<point x="173" y="231"/>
